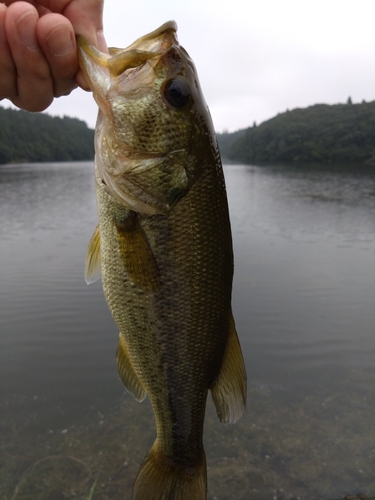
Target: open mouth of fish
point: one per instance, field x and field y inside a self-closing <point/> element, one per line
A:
<point x="153" y="68"/>
<point x="151" y="48"/>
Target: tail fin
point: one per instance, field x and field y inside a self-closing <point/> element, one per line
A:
<point x="159" y="478"/>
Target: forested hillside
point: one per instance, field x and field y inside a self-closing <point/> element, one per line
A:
<point x="37" y="137"/>
<point x="342" y="133"/>
<point x="226" y="139"/>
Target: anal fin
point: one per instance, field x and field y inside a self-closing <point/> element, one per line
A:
<point x="229" y="389"/>
<point x="127" y="373"/>
<point x="93" y="258"/>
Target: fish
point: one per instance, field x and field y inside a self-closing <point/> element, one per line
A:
<point x="163" y="249"/>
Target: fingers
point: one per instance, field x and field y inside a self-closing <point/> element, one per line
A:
<point x="29" y="86"/>
<point x="86" y="17"/>
<point x="38" y="56"/>
<point x="8" y="70"/>
<point x="57" y="41"/>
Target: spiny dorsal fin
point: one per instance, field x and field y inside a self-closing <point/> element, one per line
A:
<point x="127" y="373"/>
<point x="93" y="269"/>
<point x="229" y="390"/>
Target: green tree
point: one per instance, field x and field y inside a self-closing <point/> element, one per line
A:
<point x="336" y="134"/>
<point x="38" y="137"/>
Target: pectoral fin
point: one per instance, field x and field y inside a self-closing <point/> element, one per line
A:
<point x="229" y="389"/>
<point x="127" y="373"/>
<point x="93" y="269"/>
<point x="139" y="261"/>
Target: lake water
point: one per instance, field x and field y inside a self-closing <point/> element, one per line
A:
<point x="304" y="303"/>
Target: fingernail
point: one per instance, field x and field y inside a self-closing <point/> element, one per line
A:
<point x="26" y="27"/>
<point x="59" y="41"/>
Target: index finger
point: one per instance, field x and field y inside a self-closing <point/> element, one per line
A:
<point x="33" y="83"/>
<point x="56" y="37"/>
<point x="86" y="17"/>
<point x="8" y="69"/>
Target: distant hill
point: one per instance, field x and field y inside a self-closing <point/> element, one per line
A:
<point x="341" y="133"/>
<point x="226" y="139"/>
<point x="37" y="137"/>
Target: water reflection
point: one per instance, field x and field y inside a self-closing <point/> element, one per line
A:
<point x="303" y="299"/>
<point x="311" y="262"/>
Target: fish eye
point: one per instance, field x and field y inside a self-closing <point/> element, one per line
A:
<point x="176" y="93"/>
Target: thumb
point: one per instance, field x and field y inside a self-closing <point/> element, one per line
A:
<point x="86" y="17"/>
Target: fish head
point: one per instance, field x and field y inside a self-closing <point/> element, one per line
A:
<point x="154" y="127"/>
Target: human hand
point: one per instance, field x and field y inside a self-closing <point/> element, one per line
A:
<point x="38" y="55"/>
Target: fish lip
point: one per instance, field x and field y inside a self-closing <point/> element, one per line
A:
<point x="168" y="28"/>
<point x="150" y="46"/>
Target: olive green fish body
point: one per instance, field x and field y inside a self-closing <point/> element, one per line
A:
<point x="165" y="254"/>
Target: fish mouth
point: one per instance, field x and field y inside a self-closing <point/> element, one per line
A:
<point x="147" y="47"/>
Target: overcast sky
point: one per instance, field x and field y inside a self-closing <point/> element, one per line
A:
<point x="255" y="58"/>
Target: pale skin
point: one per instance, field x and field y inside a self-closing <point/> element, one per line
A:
<point x="38" y="53"/>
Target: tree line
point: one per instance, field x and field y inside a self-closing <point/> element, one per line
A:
<point x="340" y="133"/>
<point x="38" y="137"/>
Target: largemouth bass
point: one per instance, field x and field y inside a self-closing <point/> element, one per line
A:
<point x="164" y="250"/>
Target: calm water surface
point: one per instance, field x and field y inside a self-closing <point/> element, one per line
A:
<point x="304" y="303"/>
